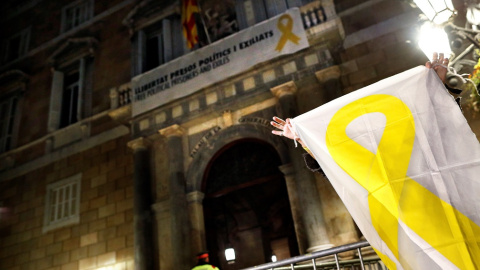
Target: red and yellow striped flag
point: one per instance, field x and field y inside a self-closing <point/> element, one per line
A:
<point x="189" y="8"/>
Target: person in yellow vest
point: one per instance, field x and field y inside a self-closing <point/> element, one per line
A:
<point x="203" y="262"/>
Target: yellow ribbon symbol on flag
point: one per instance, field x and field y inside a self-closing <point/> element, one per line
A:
<point x="392" y="195"/>
<point x="287" y="33"/>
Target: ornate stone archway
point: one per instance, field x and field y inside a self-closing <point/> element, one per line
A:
<point x="196" y="169"/>
<point x="256" y="130"/>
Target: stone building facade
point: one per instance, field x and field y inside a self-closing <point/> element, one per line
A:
<point x="85" y="185"/>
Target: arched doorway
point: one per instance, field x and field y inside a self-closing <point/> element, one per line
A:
<point x="246" y="205"/>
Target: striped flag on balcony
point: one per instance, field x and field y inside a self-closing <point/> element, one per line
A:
<point x="189" y="8"/>
<point x="406" y="164"/>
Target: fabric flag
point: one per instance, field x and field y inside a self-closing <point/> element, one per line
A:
<point x="406" y="164"/>
<point x="189" y="8"/>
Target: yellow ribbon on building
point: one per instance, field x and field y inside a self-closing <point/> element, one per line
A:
<point x="392" y="195"/>
<point x="287" y="33"/>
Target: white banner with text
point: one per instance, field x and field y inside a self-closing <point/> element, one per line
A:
<point x="283" y="34"/>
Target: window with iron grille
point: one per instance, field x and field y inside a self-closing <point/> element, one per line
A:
<point x="8" y="109"/>
<point x="76" y="14"/>
<point x="62" y="203"/>
<point x="16" y="46"/>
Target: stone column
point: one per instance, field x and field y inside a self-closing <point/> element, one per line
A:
<point x="197" y="223"/>
<point x="329" y="79"/>
<point x="164" y="235"/>
<point x="286" y="98"/>
<point x="311" y="209"/>
<point x="295" y="206"/>
<point x="342" y="229"/>
<point x="142" y="216"/>
<point x="179" y="224"/>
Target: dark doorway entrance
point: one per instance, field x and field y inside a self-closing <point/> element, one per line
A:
<point x="246" y="206"/>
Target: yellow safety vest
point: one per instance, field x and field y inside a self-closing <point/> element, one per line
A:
<point x="205" y="267"/>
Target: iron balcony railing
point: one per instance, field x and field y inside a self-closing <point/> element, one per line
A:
<point x="309" y="261"/>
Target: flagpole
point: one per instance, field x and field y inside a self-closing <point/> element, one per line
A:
<point x="203" y="22"/>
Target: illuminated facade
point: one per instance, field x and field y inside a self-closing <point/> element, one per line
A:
<point x="91" y="179"/>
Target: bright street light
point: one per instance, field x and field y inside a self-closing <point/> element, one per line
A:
<point x="433" y="39"/>
<point x="437" y="11"/>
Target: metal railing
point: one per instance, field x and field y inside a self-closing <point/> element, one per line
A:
<point x="313" y="14"/>
<point x="121" y="96"/>
<point x="308" y="261"/>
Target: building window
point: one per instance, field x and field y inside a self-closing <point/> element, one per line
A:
<point x="70" y="100"/>
<point x="251" y="12"/>
<point x="71" y="88"/>
<point x="158" y="43"/>
<point x="13" y="84"/>
<point x="62" y="203"/>
<point x="8" y="110"/>
<point x="155" y="47"/>
<point x="76" y="14"/>
<point x="16" y="46"/>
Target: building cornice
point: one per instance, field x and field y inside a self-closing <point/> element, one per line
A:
<point x="85" y="45"/>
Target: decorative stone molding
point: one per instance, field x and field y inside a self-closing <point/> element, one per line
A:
<point x="319" y="248"/>
<point x="161" y="207"/>
<point x="147" y="12"/>
<point x="195" y="197"/>
<point x="73" y="133"/>
<point x="81" y="47"/>
<point x="121" y="114"/>
<point x="287" y="169"/>
<point x="139" y="143"/>
<point x="327" y="74"/>
<point x="204" y="140"/>
<point x="288" y="88"/>
<point x="173" y="130"/>
<point x="59" y="154"/>
<point x="227" y="118"/>
<point x="255" y="121"/>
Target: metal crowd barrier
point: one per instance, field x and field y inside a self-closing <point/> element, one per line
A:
<point x="308" y="261"/>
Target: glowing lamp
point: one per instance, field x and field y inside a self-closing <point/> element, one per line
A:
<point x="437" y="11"/>
<point x="433" y="39"/>
<point x="230" y="255"/>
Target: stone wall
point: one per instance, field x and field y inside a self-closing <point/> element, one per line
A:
<point x="104" y="236"/>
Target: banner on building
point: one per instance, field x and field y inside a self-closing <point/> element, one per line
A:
<point x="283" y="34"/>
<point x="406" y="164"/>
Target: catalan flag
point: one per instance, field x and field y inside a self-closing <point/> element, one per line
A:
<point x="189" y="8"/>
<point x="406" y="164"/>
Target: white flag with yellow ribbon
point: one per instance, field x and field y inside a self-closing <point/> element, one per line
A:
<point x="406" y="164"/>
